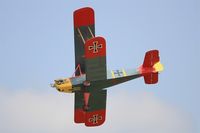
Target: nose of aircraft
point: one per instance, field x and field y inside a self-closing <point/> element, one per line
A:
<point x="63" y="85"/>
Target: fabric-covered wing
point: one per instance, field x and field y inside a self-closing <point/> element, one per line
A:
<point x="84" y="29"/>
<point x="79" y="113"/>
<point x="96" y="113"/>
<point x="95" y="59"/>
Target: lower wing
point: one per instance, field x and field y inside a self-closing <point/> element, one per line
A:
<point x="96" y="112"/>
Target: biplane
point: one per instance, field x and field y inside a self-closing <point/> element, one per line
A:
<point x="91" y="77"/>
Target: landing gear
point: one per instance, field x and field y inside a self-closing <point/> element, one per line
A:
<point x="86" y="100"/>
<point x="86" y="107"/>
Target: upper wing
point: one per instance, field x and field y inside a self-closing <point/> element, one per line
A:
<point x="95" y="59"/>
<point x="84" y="29"/>
<point x="96" y="113"/>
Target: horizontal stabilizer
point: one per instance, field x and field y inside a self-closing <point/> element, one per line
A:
<point x="151" y="78"/>
<point x="151" y="57"/>
<point x="151" y="66"/>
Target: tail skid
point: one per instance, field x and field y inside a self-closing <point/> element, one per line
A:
<point x="151" y="67"/>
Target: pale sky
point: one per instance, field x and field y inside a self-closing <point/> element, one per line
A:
<point x="37" y="46"/>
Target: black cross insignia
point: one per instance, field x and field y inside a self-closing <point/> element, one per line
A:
<point x="95" y="119"/>
<point x="118" y="73"/>
<point x="95" y="47"/>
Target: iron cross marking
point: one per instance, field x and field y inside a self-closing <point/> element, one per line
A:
<point x="95" y="118"/>
<point x="95" y="47"/>
<point x="118" y="73"/>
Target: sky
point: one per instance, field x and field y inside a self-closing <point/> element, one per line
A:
<point x="37" y="46"/>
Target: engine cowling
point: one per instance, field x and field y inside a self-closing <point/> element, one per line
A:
<point x="63" y="85"/>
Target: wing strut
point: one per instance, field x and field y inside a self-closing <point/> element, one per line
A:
<point x="78" y="68"/>
<point x="90" y="32"/>
<point x="81" y="36"/>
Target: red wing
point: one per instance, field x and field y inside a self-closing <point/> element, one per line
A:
<point x="95" y="118"/>
<point x="83" y="17"/>
<point x="95" y="47"/>
<point x="79" y="113"/>
<point x="84" y="29"/>
<point x="96" y="113"/>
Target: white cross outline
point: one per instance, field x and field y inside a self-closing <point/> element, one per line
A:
<point x="94" y="119"/>
<point x="95" y="47"/>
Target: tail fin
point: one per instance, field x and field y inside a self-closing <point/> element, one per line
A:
<point x="151" y="66"/>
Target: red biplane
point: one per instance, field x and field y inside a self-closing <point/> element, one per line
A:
<point x="91" y="76"/>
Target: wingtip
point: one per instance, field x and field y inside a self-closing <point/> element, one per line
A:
<point x="83" y="17"/>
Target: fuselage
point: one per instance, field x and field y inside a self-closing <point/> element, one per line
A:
<point x="78" y="83"/>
